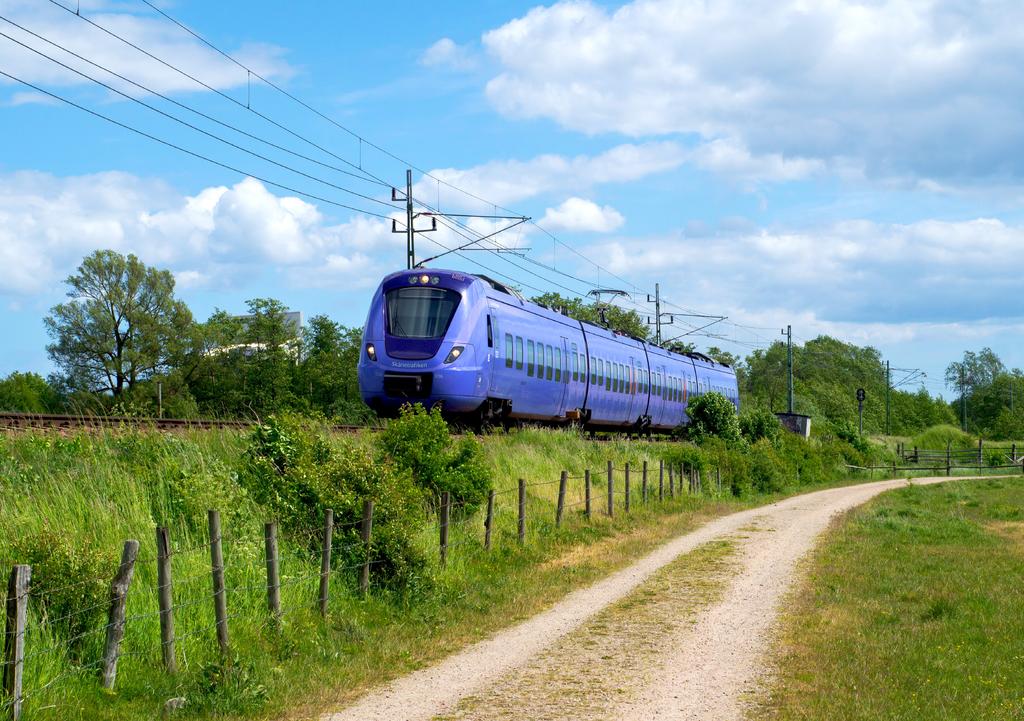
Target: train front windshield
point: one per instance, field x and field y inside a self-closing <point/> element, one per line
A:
<point x="420" y="312"/>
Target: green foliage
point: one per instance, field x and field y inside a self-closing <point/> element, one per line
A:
<point x="420" y="442"/>
<point x="769" y="473"/>
<point x="848" y="433"/>
<point x="628" y="322"/>
<point x="28" y="393"/>
<point x="70" y="581"/>
<point x="712" y="414"/>
<point x="120" y="325"/>
<point x="758" y="423"/>
<point x="292" y="471"/>
<point x="938" y="436"/>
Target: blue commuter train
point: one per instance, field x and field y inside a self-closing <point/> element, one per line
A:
<point x="488" y="356"/>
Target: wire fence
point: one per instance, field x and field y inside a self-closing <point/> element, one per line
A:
<point x="178" y="603"/>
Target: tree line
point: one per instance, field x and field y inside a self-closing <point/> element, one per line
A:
<point x="123" y="343"/>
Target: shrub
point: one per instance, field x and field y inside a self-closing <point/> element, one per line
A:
<point x="760" y="423"/>
<point x="70" y="581"/>
<point x="768" y="472"/>
<point x="419" y="441"/>
<point x="937" y="437"/>
<point x="293" y="471"/>
<point x="712" y="414"/>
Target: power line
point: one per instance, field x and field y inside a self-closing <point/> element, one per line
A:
<point x="190" y="125"/>
<point x="193" y="153"/>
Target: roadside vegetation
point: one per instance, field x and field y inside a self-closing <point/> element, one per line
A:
<point x="910" y="610"/>
<point x="71" y="500"/>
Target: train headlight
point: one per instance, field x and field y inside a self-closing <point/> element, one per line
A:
<point x="455" y="353"/>
<point x="424" y="279"/>
<point x="371" y="352"/>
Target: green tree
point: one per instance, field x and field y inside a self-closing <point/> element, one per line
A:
<point x="327" y="374"/>
<point x="712" y="415"/>
<point x="628" y="322"/>
<point x="121" y="324"/>
<point x="28" y="393"/>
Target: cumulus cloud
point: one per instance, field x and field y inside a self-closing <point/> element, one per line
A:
<point x="580" y="215"/>
<point x="159" y="37"/>
<point x="213" y="238"/>
<point x="510" y="181"/>
<point x="446" y="53"/>
<point x="902" y="86"/>
<point x="853" y="272"/>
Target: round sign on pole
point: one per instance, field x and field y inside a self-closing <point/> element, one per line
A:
<point x="860" y="394"/>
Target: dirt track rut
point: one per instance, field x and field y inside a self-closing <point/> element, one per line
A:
<point x="701" y="669"/>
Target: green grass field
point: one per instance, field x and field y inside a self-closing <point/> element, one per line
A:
<point x="913" y="610"/>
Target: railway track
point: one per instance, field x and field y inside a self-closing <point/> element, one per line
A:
<point x="24" y="421"/>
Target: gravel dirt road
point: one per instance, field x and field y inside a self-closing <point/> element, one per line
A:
<point x="680" y="634"/>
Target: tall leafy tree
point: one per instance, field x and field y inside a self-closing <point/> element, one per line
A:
<point x="120" y="326"/>
<point x="28" y="393"/>
<point x="617" y="319"/>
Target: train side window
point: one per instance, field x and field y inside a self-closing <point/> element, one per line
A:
<point x="519" y="353"/>
<point x="551" y="362"/>
<point x="529" y="357"/>
<point x="508" y="350"/>
<point x="593" y="370"/>
<point x="540" y="360"/>
<point x="622" y="378"/>
<point x="575" y="367"/>
<point x="608" y="377"/>
<point x="558" y="365"/>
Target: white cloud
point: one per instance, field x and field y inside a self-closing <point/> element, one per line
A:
<point x="156" y="35"/>
<point x="731" y="158"/>
<point x="580" y="215"/>
<point x="854" y="271"/>
<point x="510" y="181"/>
<point x="902" y="87"/>
<point x="446" y="53"/>
<point x="213" y="238"/>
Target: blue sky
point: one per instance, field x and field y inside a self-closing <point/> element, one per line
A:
<point x="847" y="168"/>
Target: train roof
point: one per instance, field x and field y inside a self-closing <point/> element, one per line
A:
<point x="559" y="315"/>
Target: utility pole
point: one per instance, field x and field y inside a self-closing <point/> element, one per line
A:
<point x="658" y="314"/>
<point x="888" y="385"/>
<point x="789" y="362"/>
<point x="410" y="216"/>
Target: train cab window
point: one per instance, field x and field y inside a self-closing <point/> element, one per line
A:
<point x="551" y="362"/>
<point x="491" y="329"/>
<point x="419" y="312"/>
<point x="558" y="365"/>
<point x="508" y="350"/>
<point x="529" y="357"/>
<point x="519" y="353"/>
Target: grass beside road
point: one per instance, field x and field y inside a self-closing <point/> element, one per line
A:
<point x="913" y="609"/>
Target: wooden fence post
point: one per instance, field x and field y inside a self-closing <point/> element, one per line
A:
<point x="220" y="601"/>
<point x="643" y="484"/>
<point x="14" y="636"/>
<point x="489" y="520"/>
<point x="671" y="481"/>
<point x="949" y="461"/>
<point x="165" y="598"/>
<point x="562" y="481"/>
<point x="325" y="561"/>
<point x="700" y="483"/>
<point x="367" y="535"/>
<point x="981" y="462"/>
<point x="718" y="478"/>
<point x="273" y="571"/>
<point x="445" y="516"/>
<point x="661" y="480"/>
<point x="611" y="492"/>
<point x="116" y="615"/>
<point x="586" y="493"/>
<point x="626" y="485"/>
<point x="522" y="511"/>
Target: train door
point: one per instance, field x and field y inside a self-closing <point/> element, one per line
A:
<point x="563" y="363"/>
<point x="497" y="354"/>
